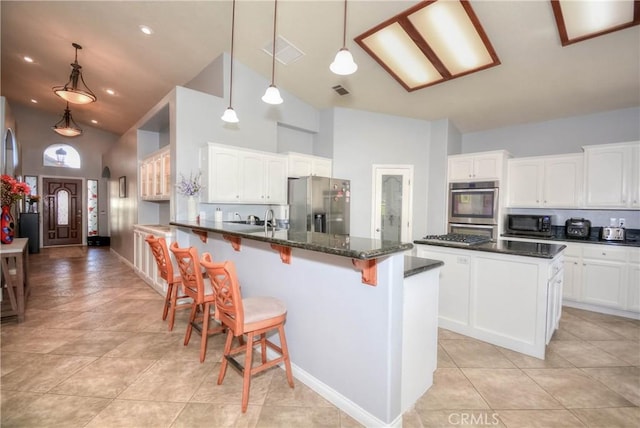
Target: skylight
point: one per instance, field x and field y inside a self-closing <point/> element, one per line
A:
<point x="581" y="20"/>
<point x="429" y="43"/>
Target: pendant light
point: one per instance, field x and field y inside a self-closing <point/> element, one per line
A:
<point x="229" y="114"/>
<point x="67" y="127"/>
<point x="272" y="94"/>
<point x="70" y="91"/>
<point x="343" y="63"/>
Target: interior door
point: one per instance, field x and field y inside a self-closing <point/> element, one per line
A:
<point x="392" y="203"/>
<point x="62" y="211"/>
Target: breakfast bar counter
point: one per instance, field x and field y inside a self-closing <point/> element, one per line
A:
<point x="361" y="327"/>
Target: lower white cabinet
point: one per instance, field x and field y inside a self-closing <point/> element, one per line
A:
<point x="144" y="262"/>
<point x="510" y="301"/>
<point x="601" y="277"/>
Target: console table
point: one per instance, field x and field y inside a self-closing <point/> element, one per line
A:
<point x="15" y="262"/>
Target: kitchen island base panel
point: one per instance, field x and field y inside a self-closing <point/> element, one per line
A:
<point x="509" y="301"/>
<point x="341" y="333"/>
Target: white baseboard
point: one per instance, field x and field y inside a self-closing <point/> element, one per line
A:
<point x="601" y="309"/>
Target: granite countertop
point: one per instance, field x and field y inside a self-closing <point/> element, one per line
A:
<point x="415" y="265"/>
<point x="339" y="245"/>
<point x="513" y="248"/>
<point x="558" y="234"/>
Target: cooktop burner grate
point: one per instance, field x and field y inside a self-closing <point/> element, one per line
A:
<point x="458" y="238"/>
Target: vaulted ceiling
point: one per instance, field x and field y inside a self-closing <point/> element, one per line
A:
<point x="537" y="79"/>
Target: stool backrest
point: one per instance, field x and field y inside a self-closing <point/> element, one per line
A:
<point x="190" y="271"/>
<point x="162" y="256"/>
<point x="226" y="287"/>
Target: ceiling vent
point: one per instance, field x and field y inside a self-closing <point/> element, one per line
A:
<point x="340" y="90"/>
<point x="286" y="52"/>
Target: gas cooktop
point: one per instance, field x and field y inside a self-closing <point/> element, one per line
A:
<point x="458" y="239"/>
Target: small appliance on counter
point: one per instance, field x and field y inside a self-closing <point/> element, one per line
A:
<point x="529" y="225"/>
<point x="577" y="228"/>
<point x="608" y="233"/>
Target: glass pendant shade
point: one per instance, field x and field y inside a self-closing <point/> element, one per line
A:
<point x="70" y="92"/>
<point x="343" y="63"/>
<point x="230" y="116"/>
<point x="272" y="95"/>
<point x="67" y="127"/>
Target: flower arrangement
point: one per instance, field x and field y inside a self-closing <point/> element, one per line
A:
<point x="190" y="186"/>
<point x="13" y="190"/>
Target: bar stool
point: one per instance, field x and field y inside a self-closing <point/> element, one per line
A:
<point x="165" y="268"/>
<point x="201" y="293"/>
<point x="253" y="316"/>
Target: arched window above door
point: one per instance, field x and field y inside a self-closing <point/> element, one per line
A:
<point x="62" y="156"/>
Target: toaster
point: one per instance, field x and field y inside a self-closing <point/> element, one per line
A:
<point x="612" y="234"/>
<point x="577" y="228"/>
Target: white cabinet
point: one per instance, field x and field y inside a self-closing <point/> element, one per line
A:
<point x="301" y="165"/>
<point x="572" y="285"/>
<point x="477" y="166"/>
<point x="233" y="175"/>
<point x="550" y="181"/>
<point x="155" y="176"/>
<point x="511" y="301"/>
<point x="633" y="291"/>
<point x="611" y="176"/>
<point x="554" y="299"/>
<point x="144" y="262"/>
<point x="604" y="276"/>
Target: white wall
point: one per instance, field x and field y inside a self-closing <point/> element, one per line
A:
<point x="34" y="131"/>
<point x="566" y="135"/>
<point x="361" y="139"/>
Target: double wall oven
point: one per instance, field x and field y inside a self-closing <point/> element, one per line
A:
<point x="473" y="208"/>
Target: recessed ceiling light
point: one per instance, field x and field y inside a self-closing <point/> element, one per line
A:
<point x="110" y="91"/>
<point x="28" y="59"/>
<point x="33" y="100"/>
<point x="94" y="121"/>
<point x="146" y="30"/>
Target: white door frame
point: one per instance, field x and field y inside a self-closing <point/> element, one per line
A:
<point x="407" y="198"/>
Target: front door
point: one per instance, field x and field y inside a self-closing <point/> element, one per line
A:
<point x="62" y="211"/>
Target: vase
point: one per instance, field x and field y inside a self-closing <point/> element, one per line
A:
<point x="192" y="210"/>
<point x="7" y="225"/>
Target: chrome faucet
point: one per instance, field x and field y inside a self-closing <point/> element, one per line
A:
<point x="268" y="215"/>
<point x="239" y="216"/>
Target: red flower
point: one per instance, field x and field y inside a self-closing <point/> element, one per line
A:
<point x="13" y="190"/>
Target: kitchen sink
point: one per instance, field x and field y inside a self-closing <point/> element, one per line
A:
<point x="255" y="223"/>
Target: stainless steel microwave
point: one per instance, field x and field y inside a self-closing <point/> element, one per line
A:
<point x="528" y="225"/>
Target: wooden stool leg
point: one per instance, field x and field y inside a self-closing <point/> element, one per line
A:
<point x="174" y="302"/>
<point x="285" y="354"/>
<point x="246" y="381"/>
<point x="167" y="301"/>
<point x="192" y="317"/>
<point x="263" y="347"/>
<point x="205" y="331"/>
<point x="227" y="351"/>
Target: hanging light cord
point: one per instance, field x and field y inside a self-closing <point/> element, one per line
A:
<point x="273" y="48"/>
<point x="233" y="24"/>
<point x="344" y="27"/>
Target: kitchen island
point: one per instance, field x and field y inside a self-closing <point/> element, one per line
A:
<point x="506" y="293"/>
<point x="361" y="326"/>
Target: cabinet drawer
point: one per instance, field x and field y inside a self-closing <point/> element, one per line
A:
<point x="634" y="255"/>
<point x="602" y="252"/>
<point x="556" y="267"/>
<point x="572" y="250"/>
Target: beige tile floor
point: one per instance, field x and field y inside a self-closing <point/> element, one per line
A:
<point x="93" y="352"/>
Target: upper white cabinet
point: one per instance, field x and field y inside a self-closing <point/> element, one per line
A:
<point x="477" y="166"/>
<point x="155" y="176"/>
<point x="301" y="165"/>
<point x="233" y="175"/>
<point x="549" y="181"/>
<point x="612" y="175"/>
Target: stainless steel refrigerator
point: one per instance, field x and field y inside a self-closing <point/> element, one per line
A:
<point x="319" y="204"/>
